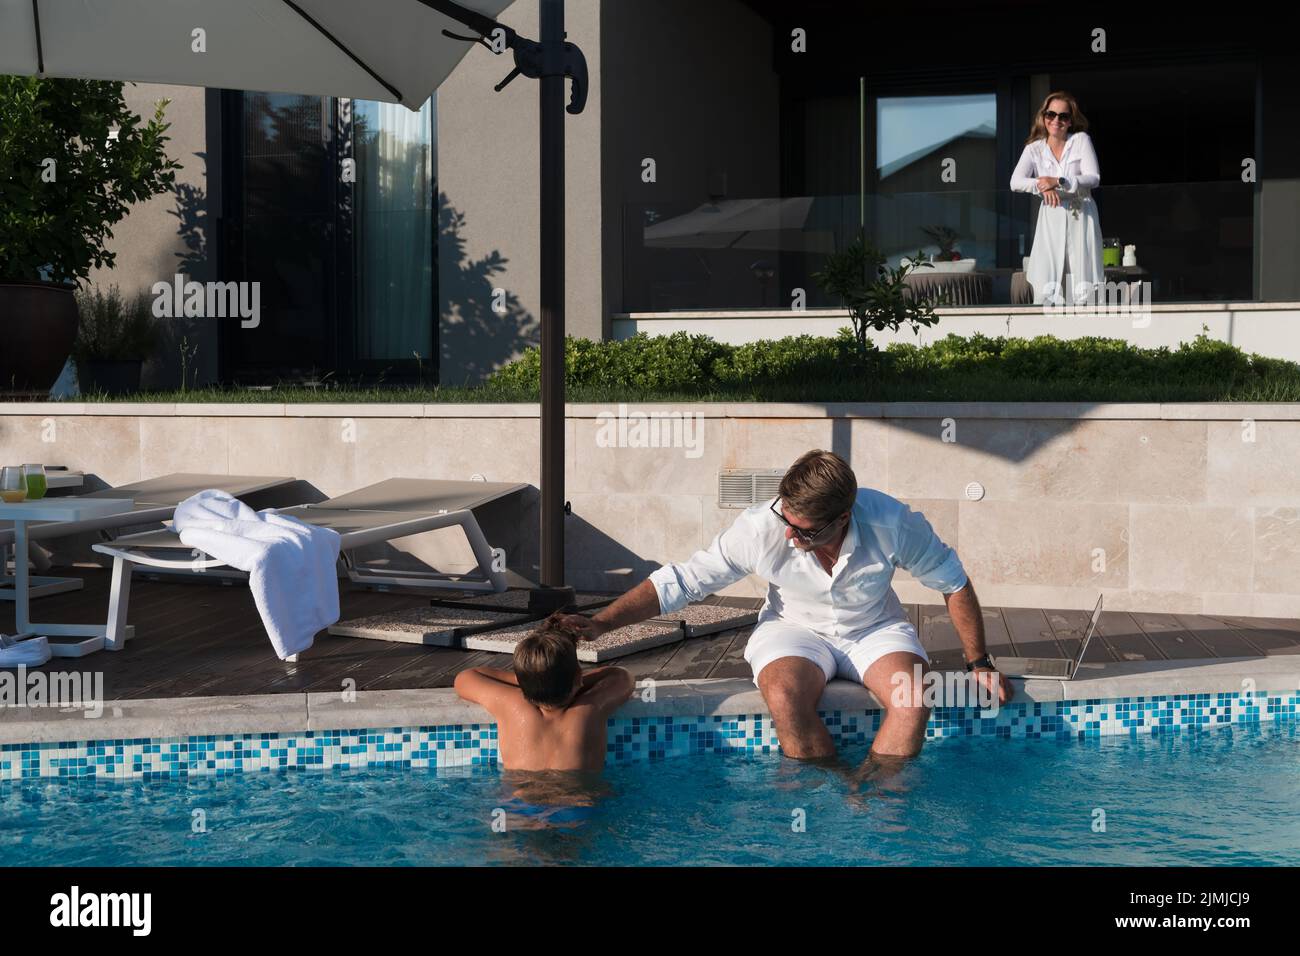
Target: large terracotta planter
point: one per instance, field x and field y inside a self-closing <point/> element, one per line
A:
<point x="38" y="324"/>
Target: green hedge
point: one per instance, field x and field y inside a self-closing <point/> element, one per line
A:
<point x="955" y="367"/>
<point x="683" y="367"/>
<point x="685" y="363"/>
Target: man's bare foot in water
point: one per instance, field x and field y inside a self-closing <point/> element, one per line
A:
<point x="880" y="775"/>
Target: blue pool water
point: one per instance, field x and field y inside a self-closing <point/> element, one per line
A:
<point x="1222" y="797"/>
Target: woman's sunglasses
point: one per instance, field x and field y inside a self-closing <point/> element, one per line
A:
<point x="806" y="536"/>
<point x="1049" y="115"/>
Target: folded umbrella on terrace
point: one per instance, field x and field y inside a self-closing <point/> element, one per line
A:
<point x="772" y="224"/>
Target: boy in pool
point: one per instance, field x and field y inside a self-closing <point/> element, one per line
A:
<point x="550" y="714"/>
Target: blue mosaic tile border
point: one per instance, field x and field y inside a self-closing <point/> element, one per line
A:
<point x="630" y="738"/>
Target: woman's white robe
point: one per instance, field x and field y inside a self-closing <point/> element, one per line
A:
<point x="1071" y="229"/>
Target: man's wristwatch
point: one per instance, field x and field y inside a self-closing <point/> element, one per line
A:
<point x="984" y="661"/>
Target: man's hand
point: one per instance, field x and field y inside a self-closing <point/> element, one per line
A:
<point x="589" y="628"/>
<point x="995" y="684"/>
<point x="636" y="605"/>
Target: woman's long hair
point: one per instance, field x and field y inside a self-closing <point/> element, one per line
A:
<point x="1078" y="122"/>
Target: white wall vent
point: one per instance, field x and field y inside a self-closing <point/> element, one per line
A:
<point x="743" y="487"/>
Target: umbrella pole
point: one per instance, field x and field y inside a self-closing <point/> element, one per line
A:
<point x="553" y="592"/>
<point x="550" y="60"/>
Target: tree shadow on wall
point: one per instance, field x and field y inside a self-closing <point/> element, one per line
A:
<point x="474" y="338"/>
<point x="163" y="369"/>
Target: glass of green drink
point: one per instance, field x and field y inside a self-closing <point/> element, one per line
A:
<point x="34" y="476"/>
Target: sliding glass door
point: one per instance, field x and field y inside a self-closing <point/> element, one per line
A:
<point x="279" y="229"/>
<point x="329" y="206"/>
<point x="394" y="235"/>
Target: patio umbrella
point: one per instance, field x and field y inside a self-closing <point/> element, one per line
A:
<point x="388" y="50"/>
<point x="394" y="51"/>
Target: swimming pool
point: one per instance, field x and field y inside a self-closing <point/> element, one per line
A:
<point x="1223" y="796"/>
<point x="681" y="722"/>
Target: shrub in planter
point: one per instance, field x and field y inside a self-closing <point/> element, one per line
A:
<point x="876" y="296"/>
<point x="946" y="239"/>
<point x="116" y="335"/>
<point x="73" y="160"/>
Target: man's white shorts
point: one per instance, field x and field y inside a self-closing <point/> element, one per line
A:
<point x="847" y="657"/>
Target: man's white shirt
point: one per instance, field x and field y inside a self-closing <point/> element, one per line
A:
<point x="857" y="596"/>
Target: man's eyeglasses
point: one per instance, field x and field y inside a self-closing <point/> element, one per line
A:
<point x="1050" y="115"/>
<point x="800" y="533"/>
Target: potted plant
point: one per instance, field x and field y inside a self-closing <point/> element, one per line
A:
<point x="876" y="296"/>
<point x="946" y="238"/>
<point x="113" y="340"/>
<point x="73" y="159"/>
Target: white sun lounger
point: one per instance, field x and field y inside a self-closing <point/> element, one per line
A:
<point x="155" y="500"/>
<point x="381" y="512"/>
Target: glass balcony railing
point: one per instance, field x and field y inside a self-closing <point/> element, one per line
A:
<point x="1194" y="243"/>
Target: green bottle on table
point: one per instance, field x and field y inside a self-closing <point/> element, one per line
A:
<point x="1110" y="253"/>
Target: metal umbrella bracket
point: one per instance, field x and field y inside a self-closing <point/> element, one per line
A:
<point x="393" y="51"/>
<point x="530" y="59"/>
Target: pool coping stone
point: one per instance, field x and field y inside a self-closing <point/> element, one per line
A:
<point x="431" y="707"/>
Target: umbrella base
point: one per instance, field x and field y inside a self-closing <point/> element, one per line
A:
<point x="547" y="599"/>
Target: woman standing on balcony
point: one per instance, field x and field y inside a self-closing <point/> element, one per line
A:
<point x="1060" y="165"/>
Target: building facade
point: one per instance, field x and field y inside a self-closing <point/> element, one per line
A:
<point x="726" y="147"/>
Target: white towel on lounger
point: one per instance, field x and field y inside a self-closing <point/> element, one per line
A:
<point x="290" y="564"/>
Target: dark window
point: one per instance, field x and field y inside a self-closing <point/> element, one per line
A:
<point x="345" y="258"/>
<point x="1170" y="141"/>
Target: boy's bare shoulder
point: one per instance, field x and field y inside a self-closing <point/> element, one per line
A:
<point x="490" y="690"/>
<point x="604" y="690"/>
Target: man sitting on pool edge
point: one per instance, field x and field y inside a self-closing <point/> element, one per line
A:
<point x="828" y="550"/>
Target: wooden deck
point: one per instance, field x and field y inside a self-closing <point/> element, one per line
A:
<point x="200" y="639"/>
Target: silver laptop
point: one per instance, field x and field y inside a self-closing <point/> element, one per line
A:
<point x="1059" y="667"/>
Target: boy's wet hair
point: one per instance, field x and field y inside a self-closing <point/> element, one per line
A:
<point x="546" y="663"/>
